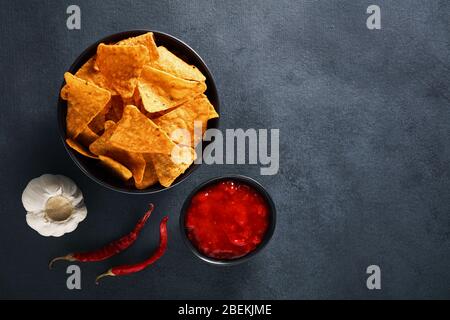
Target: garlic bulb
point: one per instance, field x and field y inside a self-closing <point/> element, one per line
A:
<point x="54" y="205"/>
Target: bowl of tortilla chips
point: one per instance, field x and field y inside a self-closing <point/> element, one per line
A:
<point x="133" y="109"/>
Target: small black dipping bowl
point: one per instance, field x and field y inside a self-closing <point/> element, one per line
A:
<point x="268" y="235"/>
<point x="91" y="167"/>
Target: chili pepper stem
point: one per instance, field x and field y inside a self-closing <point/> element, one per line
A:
<point x="68" y="257"/>
<point x="108" y="273"/>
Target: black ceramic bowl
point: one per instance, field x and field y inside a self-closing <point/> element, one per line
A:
<point x="91" y="167"/>
<point x="268" y="235"/>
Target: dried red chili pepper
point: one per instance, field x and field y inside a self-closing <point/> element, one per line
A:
<point x="133" y="268"/>
<point x="110" y="249"/>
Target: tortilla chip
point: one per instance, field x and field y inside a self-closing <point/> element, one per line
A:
<point x="169" y="167"/>
<point x="183" y="117"/>
<point x="135" y="100"/>
<point x="89" y="73"/>
<point x="122" y="66"/>
<point x="135" y="162"/>
<point x="84" y="101"/>
<point x="64" y="92"/>
<point x="146" y="40"/>
<point x="156" y="115"/>
<point x="150" y="177"/>
<point x="102" y="146"/>
<point x="170" y="63"/>
<point x="160" y="90"/>
<point x="212" y="111"/>
<point x="109" y="123"/>
<point x="98" y="123"/>
<point x="87" y="136"/>
<point x="137" y="133"/>
<point x="79" y="148"/>
<point x="115" y="111"/>
<point x="117" y="168"/>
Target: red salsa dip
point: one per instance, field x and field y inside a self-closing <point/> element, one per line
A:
<point x="227" y="220"/>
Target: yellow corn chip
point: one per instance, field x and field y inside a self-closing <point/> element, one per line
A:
<point x="169" y="167"/>
<point x="150" y="177"/>
<point x="87" y="136"/>
<point x="89" y="73"/>
<point x="122" y="66"/>
<point x="117" y="168"/>
<point x="64" y="92"/>
<point x="84" y="101"/>
<point x="183" y="117"/>
<point x="98" y="123"/>
<point x="133" y="161"/>
<point x="160" y="90"/>
<point x="109" y="124"/>
<point x="102" y="145"/>
<point x="79" y="148"/>
<point x="146" y="40"/>
<point x="137" y="133"/>
<point x="170" y="63"/>
<point x="135" y="100"/>
<point x="116" y="109"/>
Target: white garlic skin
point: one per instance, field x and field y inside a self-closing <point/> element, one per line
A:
<point x="35" y="197"/>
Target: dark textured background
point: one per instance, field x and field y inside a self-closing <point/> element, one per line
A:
<point x="364" y="175"/>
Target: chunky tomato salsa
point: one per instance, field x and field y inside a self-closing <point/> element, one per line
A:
<point x="227" y="220"/>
